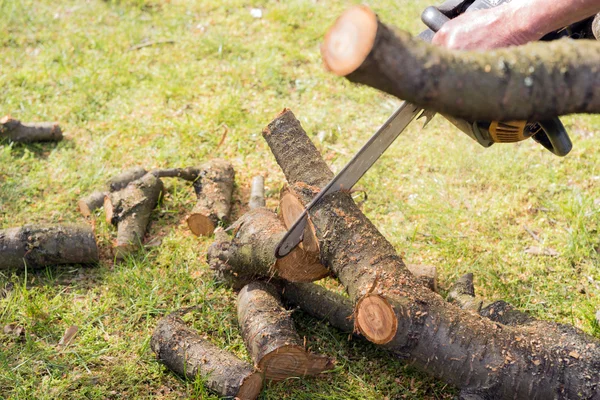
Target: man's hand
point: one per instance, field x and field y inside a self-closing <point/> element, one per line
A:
<point x="512" y="24"/>
<point x="484" y="30"/>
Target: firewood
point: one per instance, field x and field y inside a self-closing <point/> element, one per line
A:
<point x="213" y="187"/>
<point x="480" y="356"/>
<point x="16" y="131"/>
<point x="129" y="209"/>
<point x="36" y="246"/>
<point x="250" y="253"/>
<point x="271" y="338"/>
<point x="536" y="81"/>
<point x="87" y="205"/>
<point x="257" y="192"/>
<point x="186" y="353"/>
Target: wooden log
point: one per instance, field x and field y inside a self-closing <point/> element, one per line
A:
<point x="320" y="303"/>
<point x="271" y="338"/>
<point x="129" y="209"/>
<point x="537" y="81"/>
<point x="87" y="205"/>
<point x="290" y="208"/>
<point x="469" y="351"/>
<point x="123" y="179"/>
<point x="250" y="253"/>
<point x="16" y="131"/>
<point x="424" y="274"/>
<point x="213" y="187"/>
<point x="188" y="174"/>
<point x="186" y="353"/>
<point x="257" y="192"/>
<point x="36" y="246"/>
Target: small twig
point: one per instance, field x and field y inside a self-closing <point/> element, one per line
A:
<point x="148" y="44"/>
<point x="533" y="235"/>
<point x="223" y="136"/>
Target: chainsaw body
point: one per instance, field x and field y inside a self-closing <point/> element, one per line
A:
<point x="549" y="133"/>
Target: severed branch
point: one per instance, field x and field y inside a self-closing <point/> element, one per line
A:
<point x="16" y="131"/>
<point x="129" y="209"/>
<point x="536" y="81"/>
<point x="185" y="352"/>
<point x="271" y="338"/>
<point x="35" y="246"/>
<point x="476" y="354"/>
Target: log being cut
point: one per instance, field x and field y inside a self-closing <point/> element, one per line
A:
<point x="476" y="354"/>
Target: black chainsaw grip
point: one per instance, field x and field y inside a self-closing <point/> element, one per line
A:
<point x="433" y="18"/>
<point x="560" y="142"/>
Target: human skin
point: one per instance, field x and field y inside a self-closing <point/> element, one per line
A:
<point x="512" y="24"/>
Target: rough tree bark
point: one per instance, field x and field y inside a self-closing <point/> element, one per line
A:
<point x="183" y="351"/>
<point x="271" y="338"/>
<point x="213" y="187"/>
<point x="129" y="209"/>
<point x="250" y="253"/>
<point x="480" y="356"/>
<point x="34" y="246"/>
<point x="536" y="81"/>
<point x="16" y="131"/>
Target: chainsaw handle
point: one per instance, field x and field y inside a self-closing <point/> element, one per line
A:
<point x="557" y="138"/>
<point x="433" y="18"/>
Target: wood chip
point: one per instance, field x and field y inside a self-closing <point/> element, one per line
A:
<point x="70" y="333"/>
<point x="541" y="251"/>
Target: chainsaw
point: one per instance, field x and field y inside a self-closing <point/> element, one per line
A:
<point x="551" y="133"/>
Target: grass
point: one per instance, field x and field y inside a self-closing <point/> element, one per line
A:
<point x="436" y="195"/>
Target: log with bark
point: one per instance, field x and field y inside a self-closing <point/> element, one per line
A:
<point x="214" y="187"/>
<point x="16" y="131"/>
<point x="35" y="246"/>
<point x="536" y="81"/>
<point x="481" y="356"/>
<point x="129" y="209"/>
<point x="88" y="204"/>
<point x="250" y="253"/>
<point x="185" y="352"/>
<point x="271" y="338"/>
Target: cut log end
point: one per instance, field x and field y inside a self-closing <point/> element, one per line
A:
<point x="375" y="319"/>
<point x="285" y="361"/>
<point x="200" y="225"/>
<point x="251" y="387"/>
<point x="108" y="210"/>
<point x="350" y="40"/>
<point x="300" y="266"/>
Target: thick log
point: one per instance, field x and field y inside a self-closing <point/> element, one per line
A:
<point x="213" y="187"/>
<point x="35" y="246"/>
<point x="271" y="338"/>
<point x="536" y="81"/>
<point x="87" y="205"/>
<point x="16" y="131"/>
<point x="471" y="352"/>
<point x="290" y="208"/>
<point x="183" y="351"/>
<point x="129" y="209"/>
<point x="257" y="192"/>
<point x="250" y="253"/>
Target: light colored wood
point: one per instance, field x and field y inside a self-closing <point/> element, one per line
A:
<point x="375" y="319"/>
<point x="348" y="43"/>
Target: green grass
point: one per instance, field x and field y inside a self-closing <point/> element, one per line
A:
<point x="436" y="195"/>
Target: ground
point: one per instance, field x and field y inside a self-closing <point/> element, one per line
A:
<point x="215" y="76"/>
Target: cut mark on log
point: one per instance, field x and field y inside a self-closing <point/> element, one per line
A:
<point x="348" y="43"/>
<point x="375" y="319"/>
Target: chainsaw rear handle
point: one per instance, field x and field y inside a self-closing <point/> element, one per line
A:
<point x="553" y="135"/>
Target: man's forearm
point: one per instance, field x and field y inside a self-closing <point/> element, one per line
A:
<point x="538" y="17"/>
